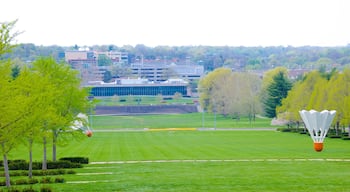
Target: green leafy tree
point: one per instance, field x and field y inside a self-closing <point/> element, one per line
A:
<point x="302" y="96"/>
<point x="11" y="101"/>
<point x="206" y="84"/>
<point x="7" y="36"/>
<point x="40" y="95"/>
<point x="70" y="98"/>
<point x="276" y="91"/>
<point x="103" y="60"/>
<point x="107" y="76"/>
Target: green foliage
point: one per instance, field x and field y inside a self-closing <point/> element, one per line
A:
<point x="103" y="60"/>
<point x="81" y="160"/>
<point x="7" y="36"/>
<point x="45" y="189"/>
<point x="276" y="91"/>
<point x="107" y="76"/>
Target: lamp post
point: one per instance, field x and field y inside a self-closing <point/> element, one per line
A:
<point x="203" y="117"/>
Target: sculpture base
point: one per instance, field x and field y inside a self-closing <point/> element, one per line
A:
<point x="318" y="147"/>
<point x="88" y="133"/>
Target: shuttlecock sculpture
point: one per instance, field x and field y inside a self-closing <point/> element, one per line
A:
<point x="317" y="123"/>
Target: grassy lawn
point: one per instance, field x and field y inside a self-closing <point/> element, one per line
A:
<point x="200" y="160"/>
<point x="143" y="100"/>
<point x="191" y="120"/>
<point x="240" y="161"/>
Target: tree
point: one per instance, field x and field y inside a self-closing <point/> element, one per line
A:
<point x="231" y="93"/>
<point x="302" y="96"/>
<point x="107" y="76"/>
<point x="205" y="85"/>
<point x="11" y="113"/>
<point x="7" y="36"/>
<point x="11" y="101"/>
<point x="103" y="60"/>
<point x="266" y="81"/>
<point x="338" y="92"/>
<point x="70" y="98"/>
<point x="276" y="91"/>
<point x="39" y="97"/>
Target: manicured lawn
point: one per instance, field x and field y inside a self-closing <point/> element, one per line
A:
<point x="203" y="161"/>
<point x="143" y="100"/>
<point x="191" y="120"/>
<point x="194" y="145"/>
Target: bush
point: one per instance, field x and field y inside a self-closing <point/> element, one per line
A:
<point x="45" y="180"/>
<point x="45" y="189"/>
<point x="334" y="136"/>
<point x="62" y="165"/>
<point x="59" y="180"/>
<point x="14" y="190"/>
<point x="20" y="165"/>
<point x="33" y="181"/>
<point x="21" y="182"/>
<point x="3" y="183"/>
<point x="30" y="189"/>
<point x="82" y="160"/>
<point x="71" y="171"/>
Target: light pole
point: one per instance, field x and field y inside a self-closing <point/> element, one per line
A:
<point x="203" y="118"/>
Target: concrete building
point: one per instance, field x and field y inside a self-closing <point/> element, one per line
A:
<point x="161" y="72"/>
<point x="86" y="62"/>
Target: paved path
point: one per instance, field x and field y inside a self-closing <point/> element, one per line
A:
<point x="183" y="129"/>
<point x="217" y="160"/>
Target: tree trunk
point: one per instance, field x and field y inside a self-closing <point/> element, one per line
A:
<point x="349" y="131"/>
<point x="30" y="171"/>
<point x="44" y="167"/>
<point x="6" y="167"/>
<point x="337" y="129"/>
<point x="54" y="141"/>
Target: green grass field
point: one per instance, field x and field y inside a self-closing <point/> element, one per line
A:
<point x="199" y="160"/>
<point x="143" y="100"/>
<point x="190" y="120"/>
<point x="205" y="161"/>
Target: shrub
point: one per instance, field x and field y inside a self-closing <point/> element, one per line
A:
<point x="30" y="189"/>
<point x="45" y="189"/>
<point x="62" y="165"/>
<point x="59" y="180"/>
<point x="45" y="180"/>
<point x="82" y="160"/>
<point x="71" y="171"/>
<point x="21" y="182"/>
<point x="14" y="190"/>
<point x="334" y="136"/>
<point x="3" y="183"/>
<point x="33" y="181"/>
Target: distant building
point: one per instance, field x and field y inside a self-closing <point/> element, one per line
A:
<point x="86" y="62"/>
<point x="157" y="72"/>
<point x="107" y="90"/>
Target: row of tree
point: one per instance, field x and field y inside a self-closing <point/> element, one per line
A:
<point x="38" y="102"/>
<point x="319" y="91"/>
<point x="234" y="94"/>
<point x="230" y="93"/>
<point x="211" y="57"/>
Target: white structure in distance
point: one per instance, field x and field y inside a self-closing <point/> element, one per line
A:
<point x="82" y="124"/>
<point x="317" y="123"/>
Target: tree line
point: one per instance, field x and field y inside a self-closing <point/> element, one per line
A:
<point x="274" y="95"/>
<point x="211" y="57"/>
<point x="39" y="102"/>
<point x="319" y="90"/>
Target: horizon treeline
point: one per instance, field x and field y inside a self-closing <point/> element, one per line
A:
<point x="211" y="57"/>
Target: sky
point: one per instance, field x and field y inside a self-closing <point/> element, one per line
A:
<point x="180" y="22"/>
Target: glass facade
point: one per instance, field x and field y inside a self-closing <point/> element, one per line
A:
<point x="100" y="91"/>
